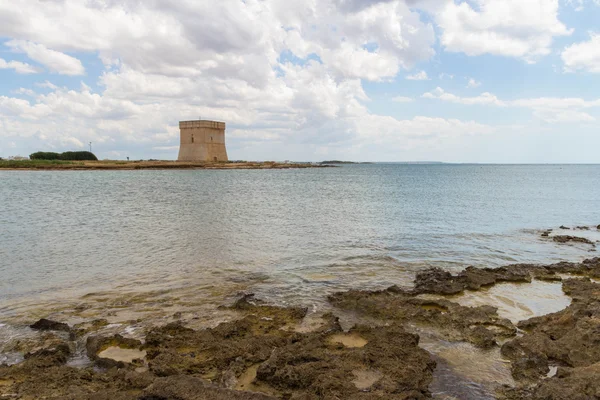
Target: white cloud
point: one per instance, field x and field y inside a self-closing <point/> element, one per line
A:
<point x="403" y="99"/>
<point x="55" y="61"/>
<point x="513" y="28"/>
<point x="579" y="5"/>
<point x="483" y="99"/>
<point x="24" y="91"/>
<point x="444" y="75"/>
<point x="47" y="85"/>
<point x="473" y="83"/>
<point x="19" y="67"/>
<point x="562" y="116"/>
<point x="549" y="109"/>
<point x="289" y="74"/>
<point x="274" y="70"/>
<point x="583" y="56"/>
<point x="419" y="76"/>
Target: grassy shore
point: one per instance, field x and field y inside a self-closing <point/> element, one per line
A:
<point x="130" y="165"/>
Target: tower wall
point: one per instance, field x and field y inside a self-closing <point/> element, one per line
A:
<point x="202" y="141"/>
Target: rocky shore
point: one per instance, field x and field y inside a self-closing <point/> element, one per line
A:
<point x="266" y="355"/>
<point x="152" y="164"/>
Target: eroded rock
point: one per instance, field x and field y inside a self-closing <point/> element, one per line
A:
<point x="49" y="325"/>
<point x="569" y="238"/>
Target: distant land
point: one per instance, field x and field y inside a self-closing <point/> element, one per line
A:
<point x="343" y="162"/>
<point x="382" y="162"/>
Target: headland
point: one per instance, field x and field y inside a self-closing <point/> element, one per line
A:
<point x="150" y="164"/>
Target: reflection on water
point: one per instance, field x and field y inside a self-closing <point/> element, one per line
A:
<point x="464" y="371"/>
<point x="122" y="355"/>
<point x="516" y="301"/>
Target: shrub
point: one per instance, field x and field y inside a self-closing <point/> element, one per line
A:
<point x="44" y="155"/>
<point x="78" y="156"/>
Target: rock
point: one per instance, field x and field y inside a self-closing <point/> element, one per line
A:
<point x="58" y="354"/>
<point x="583" y="228"/>
<point x="568" y="238"/>
<point x="436" y="280"/>
<point x="548" y="277"/>
<point x="568" y="384"/>
<point x="478" y="325"/>
<point x="182" y="387"/>
<point x="564" y="227"/>
<point x="86" y="327"/>
<point x="49" y="325"/>
<point x="598" y="227"/>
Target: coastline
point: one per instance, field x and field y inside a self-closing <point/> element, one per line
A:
<point x="143" y="165"/>
<point x="269" y="352"/>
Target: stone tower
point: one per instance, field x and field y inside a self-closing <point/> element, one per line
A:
<point x="202" y="140"/>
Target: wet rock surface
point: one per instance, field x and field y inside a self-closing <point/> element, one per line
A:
<point x="49" y="325"/>
<point x="575" y="239"/>
<point x="262" y="355"/>
<point x="568" y="340"/>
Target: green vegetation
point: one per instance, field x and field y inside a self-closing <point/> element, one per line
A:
<point x="66" y="156"/>
<point x="32" y="163"/>
<point x="44" y="155"/>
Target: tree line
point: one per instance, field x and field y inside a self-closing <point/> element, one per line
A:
<point x="66" y="156"/>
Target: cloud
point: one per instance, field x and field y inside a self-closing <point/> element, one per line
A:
<point x="579" y="5"/>
<point x="274" y="70"/>
<point x="419" y="76"/>
<point x="288" y="77"/>
<point x="19" y="67"/>
<point x="549" y="109"/>
<point x="47" y="85"/>
<point x="55" y="61"/>
<point x="483" y="99"/>
<point x="473" y="83"/>
<point x="403" y="99"/>
<point x="584" y="56"/>
<point x="24" y="91"/>
<point x="512" y="28"/>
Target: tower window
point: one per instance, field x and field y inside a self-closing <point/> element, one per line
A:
<point x="192" y="138"/>
<point x="211" y="138"/>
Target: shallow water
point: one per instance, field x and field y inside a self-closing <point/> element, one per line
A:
<point x="193" y="239"/>
<point x="122" y="355"/>
<point x="515" y="301"/>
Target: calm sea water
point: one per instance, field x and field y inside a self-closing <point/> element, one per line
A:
<point x="291" y="236"/>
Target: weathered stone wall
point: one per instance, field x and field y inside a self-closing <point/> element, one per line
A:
<point x="202" y="141"/>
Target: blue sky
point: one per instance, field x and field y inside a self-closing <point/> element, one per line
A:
<point x="365" y="80"/>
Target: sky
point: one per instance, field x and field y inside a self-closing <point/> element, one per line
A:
<point x="498" y="81"/>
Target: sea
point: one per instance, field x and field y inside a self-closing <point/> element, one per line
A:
<point x="289" y="236"/>
<point x="144" y="247"/>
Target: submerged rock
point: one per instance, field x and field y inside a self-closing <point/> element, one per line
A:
<point x="568" y="238"/>
<point x="478" y="325"/>
<point x="569" y="339"/>
<point x="49" y="325"/>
